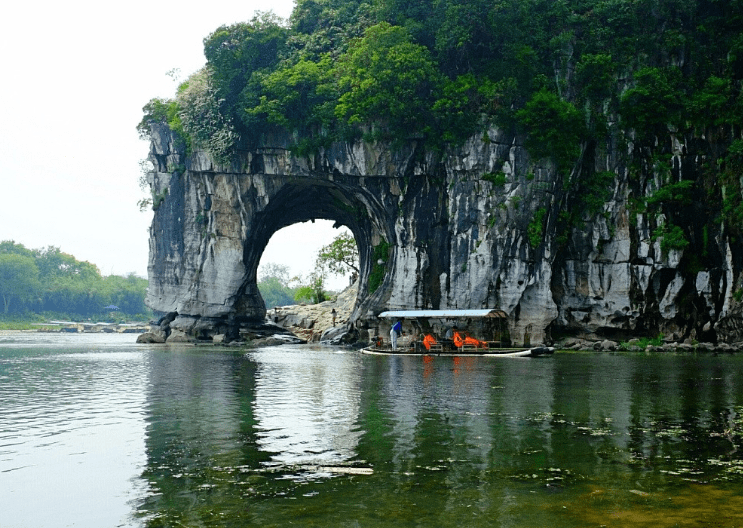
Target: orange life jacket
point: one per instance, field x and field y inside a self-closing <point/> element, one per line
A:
<point x="475" y="342"/>
<point x="460" y="340"/>
<point x="428" y="341"/>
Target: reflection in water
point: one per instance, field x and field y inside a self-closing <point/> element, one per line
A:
<point x="226" y="428"/>
<point x="198" y="436"/>
<point x="307" y="405"/>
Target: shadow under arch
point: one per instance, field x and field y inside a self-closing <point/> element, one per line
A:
<point x="308" y="199"/>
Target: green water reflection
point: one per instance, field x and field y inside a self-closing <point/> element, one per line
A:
<point x="276" y="437"/>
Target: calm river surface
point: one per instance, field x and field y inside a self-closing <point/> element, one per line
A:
<point x="96" y="431"/>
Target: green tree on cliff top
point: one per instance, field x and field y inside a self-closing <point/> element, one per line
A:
<point x="386" y="79"/>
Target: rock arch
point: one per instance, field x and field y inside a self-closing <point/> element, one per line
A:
<point x="472" y="227"/>
<point x="212" y="224"/>
<point x="305" y="199"/>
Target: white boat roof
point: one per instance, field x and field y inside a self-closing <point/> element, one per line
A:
<point x="442" y="314"/>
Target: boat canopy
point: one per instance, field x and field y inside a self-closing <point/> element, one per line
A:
<point x="443" y="314"/>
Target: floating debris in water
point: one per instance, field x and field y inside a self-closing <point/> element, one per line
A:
<point x="548" y="475"/>
<point x="345" y="470"/>
<point x="433" y="468"/>
<point x="595" y="431"/>
<point x="671" y="431"/>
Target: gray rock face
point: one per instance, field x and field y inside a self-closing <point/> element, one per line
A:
<point x="456" y="239"/>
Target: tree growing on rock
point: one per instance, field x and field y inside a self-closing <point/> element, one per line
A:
<point x="314" y="291"/>
<point x="388" y="80"/>
<point x="340" y="256"/>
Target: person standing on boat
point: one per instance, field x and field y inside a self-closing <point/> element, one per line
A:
<point x="396" y="329"/>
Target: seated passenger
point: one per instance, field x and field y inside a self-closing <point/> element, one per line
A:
<point x="475" y="342"/>
<point x="461" y="339"/>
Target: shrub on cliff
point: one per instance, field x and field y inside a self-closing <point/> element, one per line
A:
<point x="444" y="70"/>
<point x="654" y="103"/>
<point x="202" y="117"/>
<point x="159" y="112"/>
<point x="236" y="55"/>
<point x="554" y="128"/>
<point x="299" y="96"/>
<point x="386" y="79"/>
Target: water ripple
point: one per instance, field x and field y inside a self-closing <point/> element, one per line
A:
<point x="64" y="408"/>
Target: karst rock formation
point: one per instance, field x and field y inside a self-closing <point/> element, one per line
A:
<point x="436" y="230"/>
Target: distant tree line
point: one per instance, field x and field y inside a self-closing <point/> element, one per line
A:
<point x="48" y="281"/>
<point x="278" y="288"/>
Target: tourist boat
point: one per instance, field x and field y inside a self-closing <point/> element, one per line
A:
<point x="500" y="352"/>
<point x="424" y="343"/>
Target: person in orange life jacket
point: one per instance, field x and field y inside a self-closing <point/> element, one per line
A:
<point x="461" y="339"/>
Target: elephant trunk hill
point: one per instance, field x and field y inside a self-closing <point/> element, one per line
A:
<point x="480" y="225"/>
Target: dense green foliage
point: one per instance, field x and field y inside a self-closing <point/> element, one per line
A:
<point x="49" y="281"/>
<point x="386" y="80"/>
<point x="568" y="77"/>
<point x="380" y="256"/>
<point x="434" y="66"/>
<point x="313" y="291"/>
<point x="340" y="256"/>
<point x="536" y="227"/>
<point x="19" y="279"/>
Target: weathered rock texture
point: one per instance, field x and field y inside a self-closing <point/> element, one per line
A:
<point x="456" y="240"/>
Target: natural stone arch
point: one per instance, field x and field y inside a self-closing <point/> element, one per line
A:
<point x="435" y="211"/>
<point x="307" y="199"/>
<point x="474" y="226"/>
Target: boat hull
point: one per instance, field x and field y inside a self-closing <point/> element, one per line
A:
<point x="505" y="352"/>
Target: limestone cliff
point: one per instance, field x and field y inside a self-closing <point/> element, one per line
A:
<point x="458" y="238"/>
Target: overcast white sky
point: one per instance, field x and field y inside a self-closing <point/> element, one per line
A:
<point x="75" y="76"/>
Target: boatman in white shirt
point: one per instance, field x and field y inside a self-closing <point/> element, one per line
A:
<point x="396" y="329"/>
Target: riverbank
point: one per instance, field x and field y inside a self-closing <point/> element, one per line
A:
<point x="658" y="344"/>
<point x="78" y="328"/>
<point x="326" y="322"/>
<point x="300" y="323"/>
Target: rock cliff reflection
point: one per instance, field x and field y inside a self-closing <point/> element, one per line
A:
<point x="246" y="439"/>
<point x="105" y="433"/>
<point x="307" y="405"/>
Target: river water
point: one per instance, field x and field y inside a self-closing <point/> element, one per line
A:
<point x="96" y="431"/>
